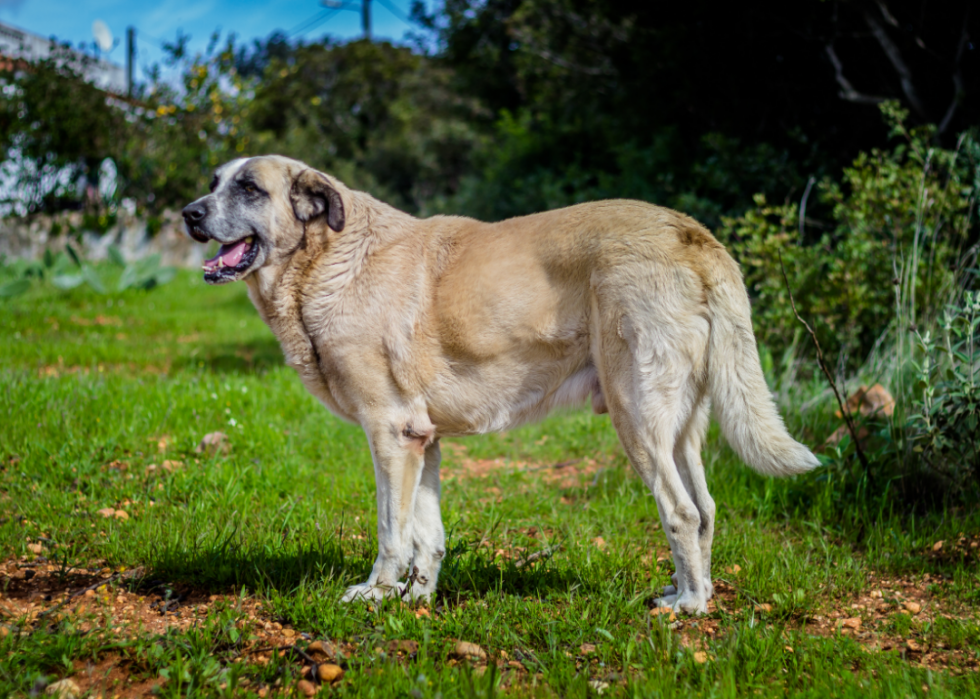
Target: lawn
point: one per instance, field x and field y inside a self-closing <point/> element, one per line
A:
<point x="133" y="563"/>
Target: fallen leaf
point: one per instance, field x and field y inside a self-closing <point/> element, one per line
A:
<point x="587" y="648"/>
<point x="35" y="548"/>
<point x="937" y="546"/>
<point x="700" y="656"/>
<point x="120" y="514"/>
<point x="422" y="612"/>
<point x="853" y="623"/>
<point x="107" y="512"/>
<point x="733" y="570"/>
<point x="764" y="607"/>
<point x="658" y="611"/>
<point x="404" y="646"/>
<point x="913" y="646"/>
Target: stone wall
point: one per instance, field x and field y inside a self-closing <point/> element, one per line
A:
<point x="29" y="237"/>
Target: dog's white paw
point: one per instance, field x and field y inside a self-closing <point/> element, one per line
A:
<point x="668" y="600"/>
<point x="406" y="591"/>
<point x="671" y="590"/>
<point x="688" y="603"/>
<point x="366" y="592"/>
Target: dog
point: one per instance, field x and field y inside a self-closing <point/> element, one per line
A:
<point x="416" y="329"/>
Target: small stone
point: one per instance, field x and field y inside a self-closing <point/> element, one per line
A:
<point x="659" y="611"/>
<point x="913" y="646"/>
<point x="90" y="593"/>
<point x="63" y="689"/>
<point x="288" y="633"/>
<point x="306" y="687"/>
<point x="35" y="548"/>
<point x="586" y="648"/>
<point x="464" y="649"/>
<point x="913" y="608"/>
<point x="700" y="656"/>
<point x="327" y="673"/>
<point x="854" y="623"/>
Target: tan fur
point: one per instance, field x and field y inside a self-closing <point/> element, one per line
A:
<point x="419" y="329"/>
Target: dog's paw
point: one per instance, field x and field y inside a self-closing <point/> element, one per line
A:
<point x="365" y="592"/>
<point x="668" y="600"/>
<point x="688" y="603"/>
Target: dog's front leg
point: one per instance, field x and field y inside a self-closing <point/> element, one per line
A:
<point x="399" y="452"/>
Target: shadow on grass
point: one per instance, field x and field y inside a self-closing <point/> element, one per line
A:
<point x="466" y="573"/>
<point x="257" y="356"/>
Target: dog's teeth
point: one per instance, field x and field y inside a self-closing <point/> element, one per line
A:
<point x="221" y="263"/>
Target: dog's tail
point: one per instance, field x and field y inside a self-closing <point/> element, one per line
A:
<point x="739" y="394"/>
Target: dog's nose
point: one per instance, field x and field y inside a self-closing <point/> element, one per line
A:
<point x="194" y="213"/>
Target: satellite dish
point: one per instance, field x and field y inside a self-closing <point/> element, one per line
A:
<point x="103" y="37"/>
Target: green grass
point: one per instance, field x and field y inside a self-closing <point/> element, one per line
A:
<point x="287" y="517"/>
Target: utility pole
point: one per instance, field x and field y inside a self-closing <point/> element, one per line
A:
<point x="366" y="18"/>
<point x="130" y="58"/>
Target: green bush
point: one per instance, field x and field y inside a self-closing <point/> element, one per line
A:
<point x="945" y="421"/>
<point x="899" y="223"/>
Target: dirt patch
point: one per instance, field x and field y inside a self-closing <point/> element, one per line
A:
<point x="571" y="473"/>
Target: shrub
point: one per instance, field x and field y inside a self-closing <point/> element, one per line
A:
<point x="945" y="420"/>
<point x="900" y="222"/>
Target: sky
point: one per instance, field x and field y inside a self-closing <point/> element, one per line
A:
<point x="156" y="22"/>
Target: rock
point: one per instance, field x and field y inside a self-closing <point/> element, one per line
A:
<point x="465" y="649"/>
<point x="913" y="646"/>
<point x="214" y="443"/>
<point x="306" y="687"/>
<point x="328" y="673"/>
<point x="853" y="623"/>
<point x="288" y="633"/>
<point x="659" y="611"/>
<point x="913" y="608"/>
<point x="63" y="689"/>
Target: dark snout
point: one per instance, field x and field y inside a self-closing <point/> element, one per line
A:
<point x="194" y="216"/>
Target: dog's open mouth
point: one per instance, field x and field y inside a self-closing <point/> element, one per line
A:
<point x="231" y="261"/>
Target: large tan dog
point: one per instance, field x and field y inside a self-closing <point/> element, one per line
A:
<point x="419" y="329"/>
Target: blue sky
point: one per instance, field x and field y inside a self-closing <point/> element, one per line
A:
<point x="71" y="20"/>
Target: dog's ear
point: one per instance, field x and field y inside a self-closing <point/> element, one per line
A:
<point x="312" y="196"/>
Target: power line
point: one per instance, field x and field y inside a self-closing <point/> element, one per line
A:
<point x="398" y="13"/>
<point x="313" y="21"/>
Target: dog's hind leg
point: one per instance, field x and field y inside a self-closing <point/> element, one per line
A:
<point x="687" y="456"/>
<point x="645" y="411"/>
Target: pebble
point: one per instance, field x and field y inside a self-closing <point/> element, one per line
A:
<point x="288" y="633"/>
<point x="463" y="649"/>
<point x="913" y="608"/>
<point x="63" y="689"/>
<point x="700" y="656"/>
<point x="328" y="673"/>
<point x="853" y="623"/>
<point x="306" y="687"/>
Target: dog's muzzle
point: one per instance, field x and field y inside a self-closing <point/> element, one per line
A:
<point x="193" y="216"/>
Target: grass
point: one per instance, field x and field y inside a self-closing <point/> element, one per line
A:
<point x="221" y="558"/>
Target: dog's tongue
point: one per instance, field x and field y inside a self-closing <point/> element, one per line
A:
<point x="228" y="255"/>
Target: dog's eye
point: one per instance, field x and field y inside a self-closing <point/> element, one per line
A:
<point x="214" y="183"/>
<point x="250" y="189"/>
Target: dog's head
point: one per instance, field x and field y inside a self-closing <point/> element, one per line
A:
<point x="258" y="210"/>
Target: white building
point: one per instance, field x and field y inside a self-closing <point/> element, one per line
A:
<point x="21" y="44"/>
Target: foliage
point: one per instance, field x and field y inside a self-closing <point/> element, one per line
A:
<point x="946" y="420"/>
<point x="69" y="270"/>
<point x="898" y="226"/>
<point x="56" y="129"/>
